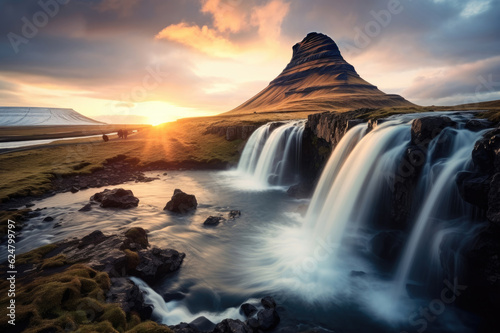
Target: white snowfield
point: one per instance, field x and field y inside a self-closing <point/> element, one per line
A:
<point x="25" y="116"/>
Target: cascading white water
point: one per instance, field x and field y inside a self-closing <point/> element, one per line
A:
<point x="356" y="185"/>
<point x="272" y="154"/>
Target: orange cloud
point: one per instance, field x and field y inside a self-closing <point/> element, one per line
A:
<point x="228" y="14"/>
<point x="269" y="18"/>
<point x="203" y="39"/>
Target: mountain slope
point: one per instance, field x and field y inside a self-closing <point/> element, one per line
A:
<point x="318" y="78"/>
<point x="23" y="116"/>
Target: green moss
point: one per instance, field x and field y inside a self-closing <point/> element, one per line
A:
<point x="138" y="235"/>
<point x="35" y="256"/>
<point x="17" y="216"/>
<point x="132" y="259"/>
<point x="115" y="315"/>
<point x="57" y="261"/>
<point x="150" y="327"/>
<point x="102" y="327"/>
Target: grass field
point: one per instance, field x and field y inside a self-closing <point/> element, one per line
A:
<point x="29" y="172"/>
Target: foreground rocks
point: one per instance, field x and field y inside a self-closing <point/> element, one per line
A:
<point x="181" y="202"/>
<point x="117" y="198"/>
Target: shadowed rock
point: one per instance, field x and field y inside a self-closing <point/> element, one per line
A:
<point x="181" y="202"/>
<point x="116" y="198"/>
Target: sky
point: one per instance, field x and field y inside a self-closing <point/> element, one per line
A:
<point x="151" y="61"/>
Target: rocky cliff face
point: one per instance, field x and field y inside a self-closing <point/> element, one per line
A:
<point x="318" y="78"/>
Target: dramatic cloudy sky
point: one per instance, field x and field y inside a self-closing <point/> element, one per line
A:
<point x="158" y="60"/>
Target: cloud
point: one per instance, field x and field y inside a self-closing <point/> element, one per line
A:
<point x="479" y="79"/>
<point x="227" y="14"/>
<point x="203" y="39"/>
<point x="269" y="17"/>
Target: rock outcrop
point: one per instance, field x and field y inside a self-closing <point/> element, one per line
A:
<point x="318" y="78"/>
<point x="116" y="198"/>
<point x="181" y="202"/>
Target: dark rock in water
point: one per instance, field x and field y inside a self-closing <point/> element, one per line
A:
<point x="388" y="245"/>
<point x="404" y="185"/>
<point x="86" y="208"/>
<point x="74" y="189"/>
<point x="202" y="324"/>
<point x="181" y="202"/>
<point x="302" y="190"/>
<point x="136" y="238"/>
<point x="95" y="237"/>
<point x="486" y="152"/>
<point x="268" y="319"/>
<point x="154" y="264"/>
<point x="231" y="326"/>
<point x="129" y="296"/>
<point x="248" y="310"/>
<point x="111" y="254"/>
<point x="424" y="130"/>
<point x="477" y="125"/>
<point x="253" y="324"/>
<point x="174" y="296"/>
<point x="48" y="219"/>
<point x="268" y="302"/>
<point x="357" y="273"/>
<point x="29" y="205"/>
<point x="234" y="214"/>
<point x="275" y="125"/>
<point x="474" y="188"/>
<point x="493" y="212"/>
<point x="184" y="328"/>
<point x="213" y="220"/>
<point x="116" y="198"/>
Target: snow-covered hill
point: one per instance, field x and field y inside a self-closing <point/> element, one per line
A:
<point x="26" y="116"/>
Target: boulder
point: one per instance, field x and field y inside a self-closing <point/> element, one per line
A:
<point x="424" y="130"/>
<point x="86" y="208"/>
<point x="202" y="324"/>
<point x="486" y="152"/>
<point x="135" y="238"/>
<point x="248" y="310"/>
<point x="231" y="326"/>
<point x="154" y="264"/>
<point x="474" y="188"/>
<point x="74" y="189"/>
<point x="268" y="302"/>
<point x="477" y="125"/>
<point x="493" y="212"/>
<point x="48" y="219"/>
<point x="181" y="202"/>
<point x="213" y="220"/>
<point x="116" y="198"/>
<point x="268" y="319"/>
<point x="129" y="296"/>
<point x="234" y="214"/>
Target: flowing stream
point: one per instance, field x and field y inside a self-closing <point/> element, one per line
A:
<point x="313" y="256"/>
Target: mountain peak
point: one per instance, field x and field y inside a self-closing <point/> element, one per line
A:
<point x="318" y="78"/>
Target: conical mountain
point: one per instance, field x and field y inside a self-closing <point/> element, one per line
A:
<point x="318" y="78"/>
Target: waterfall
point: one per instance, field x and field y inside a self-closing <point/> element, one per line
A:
<point x="355" y="192"/>
<point x="272" y="154"/>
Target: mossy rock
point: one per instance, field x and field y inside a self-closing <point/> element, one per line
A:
<point x="36" y="255"/>
<point x="116" y="316"/>
<point x="57" y="261"/>
<point x="132" y="259"/>
<point x="149" y="327"/>
<point x="137" y="235"/>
